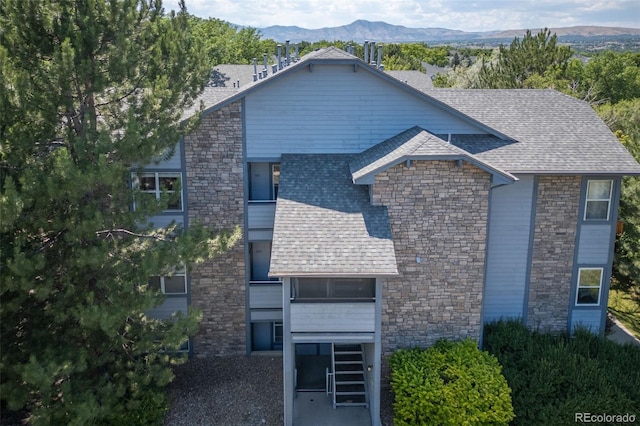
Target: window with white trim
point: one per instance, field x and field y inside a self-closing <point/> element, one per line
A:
<point x="154" y="184"/>
<point x="170" y="284"/>
<point x="589" y="286"/>
<point x="598" y="199"/>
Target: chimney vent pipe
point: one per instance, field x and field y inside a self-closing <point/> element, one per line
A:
<point x="366" y="51"/>
<point x="379" y="56"/>
<point x="279" y="56"/>
<point x="287" y="53"/>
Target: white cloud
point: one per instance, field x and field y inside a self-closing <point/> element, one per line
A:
<point x="478" y="15"/>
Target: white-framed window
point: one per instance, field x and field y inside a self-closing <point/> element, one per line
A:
<point x="174" y="284"/>
<point x="598" y="200"/>
<point x="589" y="286"/>
<point x="154" y="184"/>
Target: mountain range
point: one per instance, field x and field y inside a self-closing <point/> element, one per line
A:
<point x="362" y="30"/>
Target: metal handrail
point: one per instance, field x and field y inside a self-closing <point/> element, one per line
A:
<point x="333" y="367"/>
<point x="328" y="384"/>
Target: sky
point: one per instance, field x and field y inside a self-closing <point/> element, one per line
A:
<point x="465" y="15"/>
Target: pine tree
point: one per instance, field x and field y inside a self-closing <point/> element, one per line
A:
<point x="89" y="91"/>
<point x="531" y="56"/>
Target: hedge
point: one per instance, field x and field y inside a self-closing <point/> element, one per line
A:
<point x="553" y="377"/>
<point x="450" y="383"/>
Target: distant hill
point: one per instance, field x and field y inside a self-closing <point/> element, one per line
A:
<point x="362" y="30"/>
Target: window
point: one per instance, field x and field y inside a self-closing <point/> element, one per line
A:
<point x="598" y="199"/>
<point x="264" y="180"/>
<point x="334" y="289"/>
<point x="277" y="333"/>
<point x="174" y="284"/>
<point x="155" y="184"/>
<point x="275" y="180"/>
<point x="589" y="285"/>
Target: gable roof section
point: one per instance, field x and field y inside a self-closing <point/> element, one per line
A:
<point x="529" y="131"/>
<point x="331" y="55"/>
<point x="555" y="133"/>
<point x="416" y="144"/>
<point x="325" y="225"/>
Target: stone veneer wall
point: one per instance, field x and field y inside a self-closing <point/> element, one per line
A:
<point x="215" y="194"/>
<point x="438" y="211"/>
<point x="553" y="249"/>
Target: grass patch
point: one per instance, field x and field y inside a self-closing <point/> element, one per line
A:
<point x="625" y="306"/>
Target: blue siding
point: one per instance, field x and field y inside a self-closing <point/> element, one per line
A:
<point x="334" y="109"/>
<point x="587" y="318"/>
<point x="508" y="249"/>
<point x="171" y="304"/>
<point x="594" y="246"/>
<point x="173" y="163"/>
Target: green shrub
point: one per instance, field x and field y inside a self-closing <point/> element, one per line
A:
<point x="449" y="384"/>
<point x="552" y="377"/>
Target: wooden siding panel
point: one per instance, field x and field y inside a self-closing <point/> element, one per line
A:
<point x="594" y="244"/>
<point x="265" y="296"/>
<point x="508" y="249"/>
<point x="169" y="307"/>
<point x="588" y="318"/>
<point x="261" y="215"/>
<point x="334" y="109"/>
<point x="332" y="317"/>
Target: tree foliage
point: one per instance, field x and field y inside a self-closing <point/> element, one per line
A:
<point x="624" y="119"/>
<point x="225" y="43"/>
<point x="531" y="55"/>
<point x="88" y="91"/>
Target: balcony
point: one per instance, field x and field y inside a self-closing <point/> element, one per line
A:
<point x="261" y="214"/>
<point x="352" y="317"/>
<point x="265" y="294"/>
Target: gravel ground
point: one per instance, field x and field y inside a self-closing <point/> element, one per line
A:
<point x="234" y="391"/>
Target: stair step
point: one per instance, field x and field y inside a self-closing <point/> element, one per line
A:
<point x="337" y="352"/>
<point x="349" y="382"/>
<point x="349" y="362"/>
<point x="339" y="348"/>
<point x="351" y="404"/>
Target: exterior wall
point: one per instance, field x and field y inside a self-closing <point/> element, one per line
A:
<point x="438" y="212"/>
<point x="558" y="199"/>
<point x="333" y="109"/>
<point x="595" y="248"/>
<point x="214" y="164"/>
<point x="509" y="250"/>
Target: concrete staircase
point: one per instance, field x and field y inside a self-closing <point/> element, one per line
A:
<point x="350" y="388"/>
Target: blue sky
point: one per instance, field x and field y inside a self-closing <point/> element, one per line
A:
<point x="466" y="15"/>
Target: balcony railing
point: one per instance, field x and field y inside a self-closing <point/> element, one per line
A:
<point x="265" y="294"/>
<point x="333" y="317"/>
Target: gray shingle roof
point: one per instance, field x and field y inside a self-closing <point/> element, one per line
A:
<point x="415" y="143"/>
<point x="554" y="133"/>
<point x="417" y="79"/>
<point x="325" y="225"/>
<point x="529" y="131"/>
